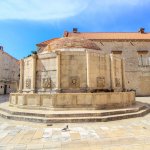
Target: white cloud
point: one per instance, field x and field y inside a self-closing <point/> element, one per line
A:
<point x="41" y="9"/>
<point x="60" y="9"/>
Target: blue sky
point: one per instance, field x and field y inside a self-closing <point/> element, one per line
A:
<point x="24" y="23"/>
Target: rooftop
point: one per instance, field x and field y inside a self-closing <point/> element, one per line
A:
<point x="71" y="42"/>
<point x="140" y="35"/>
<point x="109" y="35"/>
<point x="45" y="43"/>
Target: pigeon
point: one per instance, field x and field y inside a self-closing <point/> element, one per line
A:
<point x="66" y="128"/>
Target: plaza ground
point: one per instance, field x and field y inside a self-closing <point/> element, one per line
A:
<point x="127" y="134"/>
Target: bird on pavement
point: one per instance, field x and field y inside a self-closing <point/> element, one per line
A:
<point x="66" y="128"/>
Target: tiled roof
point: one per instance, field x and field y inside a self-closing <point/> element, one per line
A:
<point x="45" y="43"/>
<point x="71" y="42"/>
<point x="102" y="36"/>
<point x="109" y="35"/>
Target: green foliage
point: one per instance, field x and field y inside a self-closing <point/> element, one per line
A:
<point x="34" y="52"/>
<point x="29" y="55"/>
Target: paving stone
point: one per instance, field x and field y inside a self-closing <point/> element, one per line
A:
<point x="38" y="134"/>
<point x="27" y="137"/>
<point x="17" y="138"/>
<point x="129" y="134"/>
<point x="83" y="145"/>
<point x="146" y="147"/>
<point x="9" y="148"/>
<point x="34" y="146"/>
<point x="6" y="139"/>
<point x="95" y="145"/>
<point x="47" y="133"/>
<point x="134" y="147"/>
<point x="20" y="147"/>
<point x="52" y="149"/>
<point x="52" y="145"/>
<point x="75" y="136"/>
<point x="65" y="137"/>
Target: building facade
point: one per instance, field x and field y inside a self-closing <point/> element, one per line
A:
<point x="9" y="73"/>
<point x="134" y="47"/>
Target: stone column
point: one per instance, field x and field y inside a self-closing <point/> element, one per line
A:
<point x="58" y="71"/>
<point x="123" y="74"/>
<point x="88" y="69"/>
<point x="112" y="78"/>
<point x="34" y="56"/>
<point x="21" y="75"/>
<point x="108" y="72"/>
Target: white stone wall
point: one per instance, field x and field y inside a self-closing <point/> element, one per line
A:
<point x="99" y="67"/>
<point x="9" y="71"/>
<point x="46" y="69"/>
<point x="1" y="88"/>
<point x="73" y="100"/>
<point x="76" y="71"/>
<point x="28" y="76"/>
<point x="73" y="66"/>
<point x="137" y="77"/>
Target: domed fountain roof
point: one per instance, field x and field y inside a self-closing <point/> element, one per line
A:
<point x="71" y="42"/>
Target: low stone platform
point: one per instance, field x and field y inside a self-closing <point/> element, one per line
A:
<point x="65" y="116"/>
<point x="56" y="101"/>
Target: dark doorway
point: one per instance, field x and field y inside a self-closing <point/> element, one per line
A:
<point x="5" y="89"/>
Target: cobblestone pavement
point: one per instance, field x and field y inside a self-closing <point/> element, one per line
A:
<point x="128" y="134"/>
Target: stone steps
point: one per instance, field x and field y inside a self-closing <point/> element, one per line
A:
<point x="74" y="119"/>
<point x="68" y="113"/>
<point x="71" y="117"/>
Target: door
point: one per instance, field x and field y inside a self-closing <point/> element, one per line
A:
<point x="5" y="89"/>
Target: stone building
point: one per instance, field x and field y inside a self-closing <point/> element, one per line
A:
<point x="71" y="65"/>
<point x="134" y="47"/>
<point x="72" y="72"/>
<point x="71" y="79"/>
<point x="9" y="71"/>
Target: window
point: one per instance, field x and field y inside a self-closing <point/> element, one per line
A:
<point x="116" y="52"/>
<point x="143" y="59"/>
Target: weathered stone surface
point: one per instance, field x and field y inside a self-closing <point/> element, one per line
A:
<point x="66" y="115"/>
<point x="76" y="71"/>
<point x="9" y="71"/>
<point x="74" y="42"/>
<point x="74" y="100"/>
<point x="72" y="77"/>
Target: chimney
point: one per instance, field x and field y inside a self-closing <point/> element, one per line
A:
<point x="75" y="30"/>
<point x="141" y="30"/>
<point x="65" y="34"/>
<point x="1" y="48"/>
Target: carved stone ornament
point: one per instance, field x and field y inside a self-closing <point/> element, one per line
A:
<point x="46" y="82"/>
<point x="28" y="83"/>
<point x="74" y="82"/>
<point x="117" y="81"/>
<point x="101" y="82"/>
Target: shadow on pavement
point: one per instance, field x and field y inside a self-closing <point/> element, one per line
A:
<point x="4" y="98"/>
